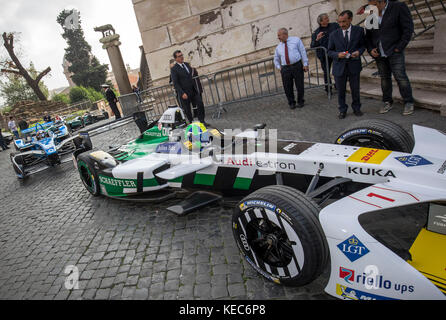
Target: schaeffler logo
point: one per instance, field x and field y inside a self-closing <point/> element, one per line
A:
<point x="72" y="20"/>
<point x="72" y="280"/>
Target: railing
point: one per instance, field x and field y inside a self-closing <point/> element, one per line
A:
<point x="240" y="83"/>
<point x="423" y="19"/>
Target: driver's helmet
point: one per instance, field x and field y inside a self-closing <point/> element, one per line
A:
<point x="196" y="136"/>
<point x="40" y="135"/>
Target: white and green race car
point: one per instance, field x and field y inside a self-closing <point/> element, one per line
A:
<point x="371" y="207"/>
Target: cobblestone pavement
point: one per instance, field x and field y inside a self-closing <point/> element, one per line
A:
<point x="138" y="251"/>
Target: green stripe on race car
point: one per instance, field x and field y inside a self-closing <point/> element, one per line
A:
<point x="242" y="183"/>
<point x="204" y="179"/>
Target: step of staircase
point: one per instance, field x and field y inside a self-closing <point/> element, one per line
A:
<point x="427" y="99"/>
<point x="421" y="4"/>
<point x="433" y="81"/>
<point x="428" y="21"/>
<point x="428" y="34"/>
<point x="426" y="62"/>
<point x="420" y="46"/>
<point x="436" y="9"/>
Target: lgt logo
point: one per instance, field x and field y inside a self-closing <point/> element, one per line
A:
<point x="353" y="249"/>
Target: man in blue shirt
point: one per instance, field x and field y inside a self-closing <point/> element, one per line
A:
<point x="292" y="61"/>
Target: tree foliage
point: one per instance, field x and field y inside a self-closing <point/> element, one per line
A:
<point x="14" y="88"/>
<point x="86" y="69"/>
<point x="13" y="66"/>
<point x="80" y="93"/>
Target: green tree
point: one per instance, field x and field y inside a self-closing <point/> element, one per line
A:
<point x="86" y="68"/>
<point x="12" y="65"/>
<point x="14" y="88"/>
<point x="61" y="97"/>
<point x="80" y="93"/>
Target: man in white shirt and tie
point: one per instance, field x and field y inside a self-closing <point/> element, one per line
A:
<point x="186" y="87"/>
<point x="292" y="61"/>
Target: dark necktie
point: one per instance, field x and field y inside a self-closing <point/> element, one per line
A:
<point x="185" y="68"/>
<point x="346" y="38"/>
<point x="287" y="58"/>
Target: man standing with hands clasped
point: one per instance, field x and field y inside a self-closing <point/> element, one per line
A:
<point x="186" y="87"/>
<point x="345" y="47"/>
<point x="292" y="61"/>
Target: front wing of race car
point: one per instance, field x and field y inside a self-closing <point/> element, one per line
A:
<point x="365" y="268"/>
<point x="33" y="161"/>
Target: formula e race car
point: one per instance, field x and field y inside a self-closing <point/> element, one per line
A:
<point x="87" y="118"/>
<point x="369" y="208"/>
<point x="45" y="145"/>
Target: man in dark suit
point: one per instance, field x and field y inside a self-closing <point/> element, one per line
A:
<point x="345" y="47"/>
<point x="320" y="38"/>
<point x="112" y="101"/>
<point x="386" y="45"/>
<point x="186" y="88"/>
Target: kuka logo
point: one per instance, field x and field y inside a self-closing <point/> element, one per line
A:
<point x="371" y="172"/>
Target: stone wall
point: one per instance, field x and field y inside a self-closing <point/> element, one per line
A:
<point x="216" y="34"/>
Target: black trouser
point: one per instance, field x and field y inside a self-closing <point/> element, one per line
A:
<point x="341" y="85"/>
<point x="115" y="110"/>
<point x="396" y="65"/>
<point x="293" y="74"/>
<point x="197" y="101"/>
<point x="3" y="142"/>
<point x="327" y="78"/>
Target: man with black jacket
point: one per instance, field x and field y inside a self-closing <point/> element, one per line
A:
<point x="185" y="86"/>
<point x="112" y="101"/>
<point x="320" y="38"/>
<point x="386" y="45"/>
<point x="345" y="47"/>
<point x="3" y="144"/>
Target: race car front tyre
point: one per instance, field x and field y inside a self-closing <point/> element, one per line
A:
<point x="377" y="133"/>
<point x="88" y="174"/>
<point x="278" y="232"/>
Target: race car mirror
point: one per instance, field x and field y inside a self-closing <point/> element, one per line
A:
<point x="437" y="218"/>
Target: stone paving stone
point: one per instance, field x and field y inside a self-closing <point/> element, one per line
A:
<point x="141" y="251"/>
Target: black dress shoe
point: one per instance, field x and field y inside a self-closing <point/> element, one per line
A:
<point x="342" y="115"/>
<point x="301" y="104"/>
<point x="292" y="106"/>
<point x="358" y="113"/>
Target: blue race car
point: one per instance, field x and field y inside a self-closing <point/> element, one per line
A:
<point x="46" y="145"/>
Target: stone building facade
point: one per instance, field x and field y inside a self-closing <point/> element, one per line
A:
<point x="216" y="34"/>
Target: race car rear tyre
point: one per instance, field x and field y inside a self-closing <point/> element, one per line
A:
<point x="377" y="133"/>
<point x="278" y="232"/>
<point x="88" y="174"/>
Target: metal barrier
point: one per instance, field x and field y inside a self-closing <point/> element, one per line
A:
<point x="240" y="83"/>
<point x="261" y="79"/>
<point x="430" y="13"/>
